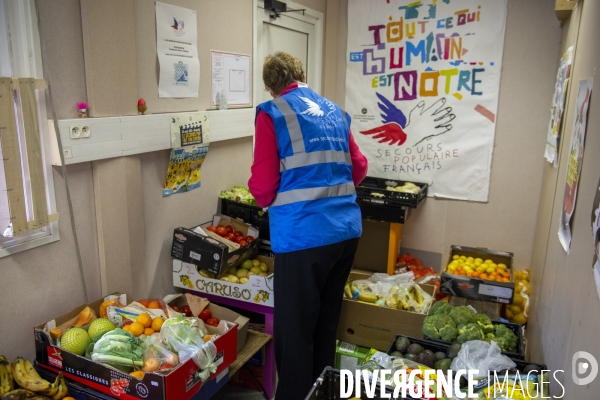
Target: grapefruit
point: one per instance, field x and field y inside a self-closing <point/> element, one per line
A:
<point x="75" y="340"/>
<point x="99" y="327"/>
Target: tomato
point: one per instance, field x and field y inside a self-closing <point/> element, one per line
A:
<point x="243" y="243"/>
<point x="230" y="236"/>
<point x="229" y="229"/>
<point x="205" y="314"/>
<point x="175" y="308"/>
<point x="211" y="228"/>
<point x="249" y="239"/>
<point x="212" y="322"/>
<point x="221" y="231"/>
<point x="187" y="311"/>
<point x="237" y="239"/>
<point x="167" y="366"/>
<point x="238" y="233"/>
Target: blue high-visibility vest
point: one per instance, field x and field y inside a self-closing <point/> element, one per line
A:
<point x="315" y="204"/>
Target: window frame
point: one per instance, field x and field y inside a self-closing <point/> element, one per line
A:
<point x="22" y="37"/>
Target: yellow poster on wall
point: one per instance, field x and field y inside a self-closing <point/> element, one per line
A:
<point x="190" y="139"/>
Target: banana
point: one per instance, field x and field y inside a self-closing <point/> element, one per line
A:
<point x="367" y="297"/>
<point x="419" y="297"/>
<point x="347" y="291"/>
<point x="55" y="387"/>
<point x="19" y="394"/>
<point x="25" y="380"/>
<point x="63" y="390"/>
<point x="6" y="379"/>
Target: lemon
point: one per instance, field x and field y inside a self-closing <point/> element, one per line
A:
<point x="470" y="259"/>
<point x="463" y="258"/>
<point x="455" y="257"/>
<point x="493" y="265"/>
<point x="488" y="261"/>
<point x="255" y="263"/>
<point x="502" y="266"/>
<point x="479" y="260"/>
<point x="490" y="270"/>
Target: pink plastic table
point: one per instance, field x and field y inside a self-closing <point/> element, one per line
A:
<point x="270" y="375"/>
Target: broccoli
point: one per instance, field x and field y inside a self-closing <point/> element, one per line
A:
<point x="509" y="337"/>
<point x="440" y="307"/>
<point x="462" y="315"/>
<point x="471" y="331"/>
<point x="439" y="326"/>
<point x="485" y="323"/>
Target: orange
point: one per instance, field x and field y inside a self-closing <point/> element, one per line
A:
<point x="154" y="304"/>
<point x="137" y="374"/>
<point x="157" y="323"/>
<point x="149" y="332"/>
<point x="144" y="303"/>
<point x="144" y="319"/>
<point x="136" y="329"/>
<point x="127" y="328"/>
<point x="206" y="338"/>
<point x="483" y="276"/>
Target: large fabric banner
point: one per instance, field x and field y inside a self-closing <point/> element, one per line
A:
<point x="422" y="84"/>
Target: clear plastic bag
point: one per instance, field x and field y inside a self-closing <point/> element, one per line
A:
<point x="157" y="357"/>
<point x="482" y="356"/>
<point x="178" y="334"/>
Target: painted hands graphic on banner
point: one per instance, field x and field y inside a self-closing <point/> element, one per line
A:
<point x="422" y="87"/>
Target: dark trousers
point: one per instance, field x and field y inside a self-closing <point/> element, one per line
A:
<point x="309" y="286"/>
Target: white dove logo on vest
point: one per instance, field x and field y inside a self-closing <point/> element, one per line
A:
<point x="313" y="108"/>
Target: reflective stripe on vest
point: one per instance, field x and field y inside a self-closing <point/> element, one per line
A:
<point x="293" y="126"/>
<point x="296" y="195"/>
<point x="315" y="157"/>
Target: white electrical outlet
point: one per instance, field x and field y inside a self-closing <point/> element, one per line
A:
<point x="75" y="132"/>
<point x="86" y="131"/>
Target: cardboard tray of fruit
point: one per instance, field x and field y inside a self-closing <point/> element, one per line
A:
<point x="517" y="330"/>
<point x="450" y="350"/>
<point x="391" y="192"/>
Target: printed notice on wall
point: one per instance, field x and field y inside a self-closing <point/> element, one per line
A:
<point x="558" y="106"/>
<point x="574" y="162"/>
<point x="177" y="48"/>
<point x="596" y="236"/>
<point x="231" y="72"/>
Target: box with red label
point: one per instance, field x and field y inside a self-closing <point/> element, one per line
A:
<point x="195" y="247"/>
<point x="475" y="286"/>
<point x="182" y="383"/>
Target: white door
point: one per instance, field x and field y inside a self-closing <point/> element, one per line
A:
<point x="296" y="34"/>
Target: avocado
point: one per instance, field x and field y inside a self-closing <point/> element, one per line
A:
<point x="426" y="359"/>
<point x="402" y="344"/>
<point x="531" y="368"/>
<point x="411" y="357"/>
<point x="440" y="355"/>
<point x="453" y="350"/>
<point x="415" y="349"/>
<point x="396" y="354"/>
<point x="427" y="351"/>
<point x="443" y="364"/>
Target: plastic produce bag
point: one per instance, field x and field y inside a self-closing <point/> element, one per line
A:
<point x="157" y="356"/>
<point x="479" y="355"/>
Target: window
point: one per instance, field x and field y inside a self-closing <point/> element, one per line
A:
<point x="27" y="203"/>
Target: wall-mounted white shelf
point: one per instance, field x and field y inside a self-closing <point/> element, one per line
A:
<point x="123" y="136"/>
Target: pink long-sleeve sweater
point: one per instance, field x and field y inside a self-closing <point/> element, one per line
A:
<point x="265" y="177"/>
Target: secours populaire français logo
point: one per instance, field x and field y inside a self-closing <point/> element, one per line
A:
<point x="313" y="108"/>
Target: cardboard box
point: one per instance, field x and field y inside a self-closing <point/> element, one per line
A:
<point x="476" y="288"/>
<point x="182" y="383"/>
<point x="211" y="387"/>
<point x="374" y="327"/>
<point x="348" y="356"/>
<point x="209" y="254"/>
<point x="250" y="377"/>
<point x="258" y="289"/>
<point x="222" y="313"/>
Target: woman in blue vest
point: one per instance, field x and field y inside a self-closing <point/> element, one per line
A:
<point x="306" y="165"/>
